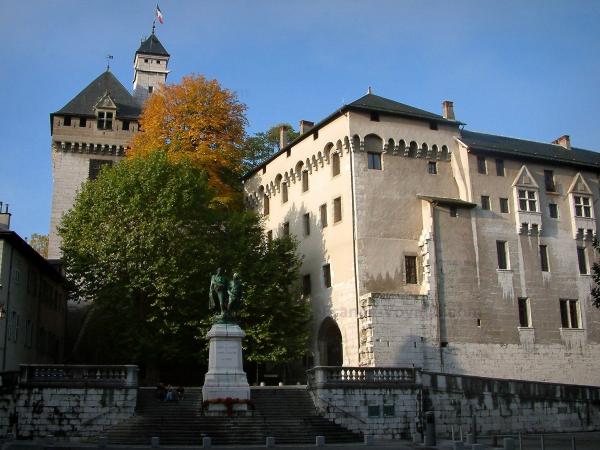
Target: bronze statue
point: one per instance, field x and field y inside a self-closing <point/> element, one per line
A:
<point x="224" y="296"/>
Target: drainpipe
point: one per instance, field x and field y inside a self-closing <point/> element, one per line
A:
<point x="354" y="250"/>
<point x="435" y="237"/>
<point x="10" y="265"/>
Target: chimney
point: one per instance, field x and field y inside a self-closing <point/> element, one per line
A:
<point x="305" y="125"/>
<point x="563" y="141"/>
<point x="4" y="217"/>
<point x="282" y="136"/>
<point x="448" y="110"/>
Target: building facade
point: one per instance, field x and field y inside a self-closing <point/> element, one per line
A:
<point x="426" y="245"/>
<point x="33" y="304"/>
<point x="96" y="127"/>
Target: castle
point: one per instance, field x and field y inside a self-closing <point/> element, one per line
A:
<point x="96" y="126"/>
<point x="426" y="245"/>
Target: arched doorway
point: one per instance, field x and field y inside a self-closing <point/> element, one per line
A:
<point x="330" y="344"/>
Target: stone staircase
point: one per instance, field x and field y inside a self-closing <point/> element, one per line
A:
<point x="286" y="413"/>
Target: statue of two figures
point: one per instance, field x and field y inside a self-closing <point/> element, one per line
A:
<point x="224" y="296"/>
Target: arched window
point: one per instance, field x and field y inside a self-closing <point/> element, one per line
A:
<point x="266" y="204"/>
<point x="412" y="149"/>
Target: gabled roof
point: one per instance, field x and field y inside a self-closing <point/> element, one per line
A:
<point x="83" y="103"/>
<point x="530" y="149"/>
<point x="372" y="102"/>
<point x="152" y="46"/>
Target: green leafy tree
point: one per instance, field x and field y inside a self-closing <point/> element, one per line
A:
<point x="264" y="144"/>
<point x="141" y="243"/>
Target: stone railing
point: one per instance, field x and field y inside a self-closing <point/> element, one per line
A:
<point x="328" y="376"/>
<point x="78" y="376"/>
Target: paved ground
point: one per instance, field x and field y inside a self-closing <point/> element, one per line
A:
<point x="584" y="441"/>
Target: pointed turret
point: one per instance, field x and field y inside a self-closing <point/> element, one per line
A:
<point x="150" y="68"/>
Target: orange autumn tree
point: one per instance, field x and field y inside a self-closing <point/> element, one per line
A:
<point x="197" y="118"/>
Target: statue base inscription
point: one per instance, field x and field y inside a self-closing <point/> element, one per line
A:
<point x="225" y="384"/>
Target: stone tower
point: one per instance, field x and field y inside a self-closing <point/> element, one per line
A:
<point x="150" y="68"/>
<point x="95" y="128"/>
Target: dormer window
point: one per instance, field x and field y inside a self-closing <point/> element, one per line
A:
<point x="527" y="200"/>
<point x="105" y="120"/>
<point x="583" y="206"/>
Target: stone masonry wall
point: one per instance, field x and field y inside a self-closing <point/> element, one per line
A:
<point x="63" y="411"/>
<point x="493" y="406"/>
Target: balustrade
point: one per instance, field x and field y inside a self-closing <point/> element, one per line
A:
<point x="324" y="375"/>
<point x="79" y="375"/>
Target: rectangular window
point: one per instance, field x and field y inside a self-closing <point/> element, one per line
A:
<point x="504" y="205"/>
<point x="527" y="200"/>
<point x="150" y="89"/>
<point x="306" y="223"/>
<point x="553" y="210"/>
<point x="323" y="212"/>
<point x="549" y="180"/>
<point x="96" y="165"/>
<point x="481" y="168"/>
<point x="501" y="249"/>
<point x="374" y="116"/>
<point x="544" y="258"/>
<point x="433" y="125"/>
<point x="266" y="205"/>
<point x="305" y="181"/>
<point x="582" y="261"/>
<point x="500" y="167"/>
<point x="270" y="236"/>
<point x="67" y="122"/>
<point x="374" y="160"/>
<point x="337" y="209"/>
<point x="524" y="313"/>
<point x="286" y="229"/>
<point x="432" y="168"/>
<point x="315" y="135"/>
<point x="125" y="125"/>
<point x="105" y="120"/>
<point x="327" y="275"/>
<point x="306" y="286"/>
<point x="335" y="164"/>
<point x="284" y="193"/>
<point x="569" y="314"/>
<point x="583" y="206"/>
<point x="82" y="122"/>
<point x="485" y="202"/>
<point x="410" y="266"/>
<point x="453" y="211"/>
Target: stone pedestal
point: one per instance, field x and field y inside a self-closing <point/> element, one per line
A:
<point x="225" y="377"/>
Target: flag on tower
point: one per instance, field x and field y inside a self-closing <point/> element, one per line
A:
<point x="159" y="14"/>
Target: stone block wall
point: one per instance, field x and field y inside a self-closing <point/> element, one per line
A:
<point x="54" y="400"/>
<point x="392" y="410"/>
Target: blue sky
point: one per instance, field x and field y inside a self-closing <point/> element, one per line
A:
<point x="529" y="69"/>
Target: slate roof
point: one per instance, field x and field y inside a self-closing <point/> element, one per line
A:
<point x="367" y="103"/>
<point x="83" y="103"/>
<point x="372" y="102"/>
<point x="530" y="149"/>
<point x="152" y="46"/>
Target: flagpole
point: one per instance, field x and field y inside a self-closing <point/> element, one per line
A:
<point x="153" y="25"/>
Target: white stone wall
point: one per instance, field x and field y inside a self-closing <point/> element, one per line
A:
<point x="70" y="171"/>
<point x="65" y="411"/>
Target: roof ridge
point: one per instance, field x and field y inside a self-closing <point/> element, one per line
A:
<point x="527" y="140"/>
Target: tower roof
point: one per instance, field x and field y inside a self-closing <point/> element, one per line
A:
<point x="152" y="46"/>
<point x="83" y="103"/>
